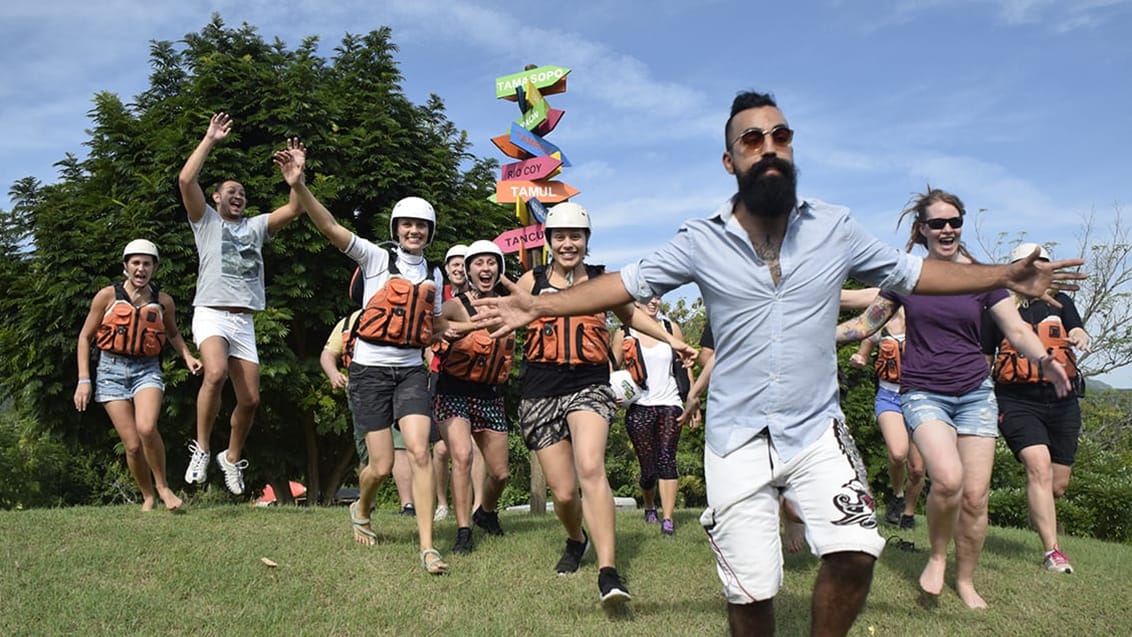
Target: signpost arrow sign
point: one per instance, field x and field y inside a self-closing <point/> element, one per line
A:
<point x="532" y="169"/>
<point x="544" y="77"/>
<point x="533" y="144"/>
<point x="544" y="191"/>
<point x="527" y="237"/>
<point x="552" y="117"/>
<point x="503" y="143"/>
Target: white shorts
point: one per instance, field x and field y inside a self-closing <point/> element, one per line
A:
<point x="236" y="328"/>
<point x="826" y="483"/>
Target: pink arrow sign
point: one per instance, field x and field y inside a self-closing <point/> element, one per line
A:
<point x="552" y="117"/>
<point x="531" y="169"/>
<point x="519" y="238"/>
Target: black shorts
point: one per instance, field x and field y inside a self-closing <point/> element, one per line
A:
<point x="1053" y="423"/>
<point x="380" y="396"/>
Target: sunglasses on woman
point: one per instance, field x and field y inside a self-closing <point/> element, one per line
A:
<point x="938" y="224"/>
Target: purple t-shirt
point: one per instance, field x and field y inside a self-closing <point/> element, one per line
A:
<point x="943" y="351"/>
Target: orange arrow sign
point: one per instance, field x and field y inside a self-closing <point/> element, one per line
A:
<point x="503" y="143"/>
<point x="545" y="191"/>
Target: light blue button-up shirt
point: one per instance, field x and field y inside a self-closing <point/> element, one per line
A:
<point x="776" y="359"/>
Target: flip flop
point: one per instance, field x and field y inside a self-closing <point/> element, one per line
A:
<point x="363" y="534"/>
<point x="432" y="562"/>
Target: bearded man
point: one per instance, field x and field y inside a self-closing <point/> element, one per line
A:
<point x="770" y="267"/>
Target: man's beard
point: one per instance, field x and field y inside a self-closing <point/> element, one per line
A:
<point x="765" y="195"/>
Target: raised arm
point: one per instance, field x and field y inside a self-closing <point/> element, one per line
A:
<point x="291" y="162"/>
<point x="191" y="193"/>
<point x="508" y="313"/>
<point x="1030" y="277"/>
<point x="291" y="210"/>
<point x="865" y="324"/>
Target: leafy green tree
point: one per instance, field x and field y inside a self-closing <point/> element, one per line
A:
<point x="369" y="146"/>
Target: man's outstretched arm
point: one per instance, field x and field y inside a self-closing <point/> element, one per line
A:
<point x="191" y="193"/>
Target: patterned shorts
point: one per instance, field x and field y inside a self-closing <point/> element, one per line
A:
<point x="484" y="414"/>
<point x="543" y="420"/>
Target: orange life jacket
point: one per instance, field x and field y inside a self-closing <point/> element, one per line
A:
<point x="400" y="313"/>
<point x="1010" y="366"/>
<point x="131" y="330"/>
<point x="633" y="359"/>
<point x="477" y="357"/>
<point x="567" y="340"/>
<point x="349" y="338"/>
<point x="890" y="351"/>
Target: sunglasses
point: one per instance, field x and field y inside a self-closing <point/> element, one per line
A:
<point x="938" y="224"/>
<point x="753" y="139"/>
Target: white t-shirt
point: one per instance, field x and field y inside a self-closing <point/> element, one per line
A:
<point x="374" y="262"/>
<point x="662" y="391"/>
<point x="231" y="260"/>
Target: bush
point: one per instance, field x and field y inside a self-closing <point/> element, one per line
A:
<point x="32" y="465"/>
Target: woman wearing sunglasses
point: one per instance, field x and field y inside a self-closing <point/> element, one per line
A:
<point x="946" y="393"/>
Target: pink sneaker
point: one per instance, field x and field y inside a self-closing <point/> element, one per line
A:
<point x="1056" y="561"/>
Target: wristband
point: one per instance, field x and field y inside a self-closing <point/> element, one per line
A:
<point x="84" y="381"/>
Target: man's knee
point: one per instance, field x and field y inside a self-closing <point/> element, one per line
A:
<point x="850" y="567"/>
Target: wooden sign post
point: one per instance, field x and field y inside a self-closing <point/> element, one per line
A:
<point x="527" y="184"/>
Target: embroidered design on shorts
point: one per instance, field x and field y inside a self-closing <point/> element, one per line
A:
<point x="854" y="501"/>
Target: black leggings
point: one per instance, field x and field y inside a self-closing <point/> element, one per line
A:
<point x="654" y="432"/>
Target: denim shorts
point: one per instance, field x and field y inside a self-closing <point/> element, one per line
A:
<point x="886" y="400"/>
<point x="120" y="377"/>
<point x="974" y="413"/>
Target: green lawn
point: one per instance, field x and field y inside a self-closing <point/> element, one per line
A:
<point x="114" y="570"/>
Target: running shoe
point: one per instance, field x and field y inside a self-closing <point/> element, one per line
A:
<point x="611" y="588"/>
<point x="571" y="559"/>
<point x="464" y="543"/>
<point x="408" y="511"/>
<point x="198" y="465"/>
<point x="667" y="528"/>
<point x="894" y="510"/>
<point x="441" y="513"/>
<point x="651" y="517"/>
<point x="907" y="522"/>
<point x="488" y="521"/>
<point x="233" y="472"/>
<point x="1056" y="561"/>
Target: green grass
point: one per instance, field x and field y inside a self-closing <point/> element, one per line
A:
<point x="114" y="571"/>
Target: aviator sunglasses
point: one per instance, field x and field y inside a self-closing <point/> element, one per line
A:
<point x="938" y="224"/>
<point x="753" y="138"/>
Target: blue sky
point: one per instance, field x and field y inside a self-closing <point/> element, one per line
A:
<point x="1021" y="107"/>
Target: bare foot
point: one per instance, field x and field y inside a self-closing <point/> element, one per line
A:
<point x="795" y="536"/>
<point x="931" y="580"/>
<point x="172" y="502"/>
<point x="147" y="503"/>
<point x="970" y="596"/>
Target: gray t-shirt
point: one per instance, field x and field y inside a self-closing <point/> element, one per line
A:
<point x="231" y="260"/>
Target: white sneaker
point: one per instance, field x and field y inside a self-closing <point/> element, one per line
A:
<point x="441" y="513"/>
<point x="233" y="472"/>
<point x="198" y="465"/>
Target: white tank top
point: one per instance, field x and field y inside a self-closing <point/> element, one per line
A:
<point x="662" y="391"/>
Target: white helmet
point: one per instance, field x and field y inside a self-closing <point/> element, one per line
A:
<point x="1026" y="249"/>
<point x="457" y="250"/>
<point x="624" y="388"/>
<point x="567" y="215"/>
<point x="485" y="247"/>
<point x="413" y="208"/>
<point x="141" y="246"/>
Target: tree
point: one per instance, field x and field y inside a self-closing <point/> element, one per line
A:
<point x="370" y="146"/>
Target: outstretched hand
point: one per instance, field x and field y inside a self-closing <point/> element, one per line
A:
<point x="1037" y="279"/>
<point x="219" y="127"/>
<point x="291" y="161"/>
<point x="1055" y="373"/>
<point x="504" y="314"/>
<point x="691" y="414"/>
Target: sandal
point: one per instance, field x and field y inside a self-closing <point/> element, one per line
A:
<point x="363" y="534"/>
<point x="432" y="562"/>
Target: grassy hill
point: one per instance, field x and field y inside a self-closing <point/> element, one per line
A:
<point x="116" y="571"/>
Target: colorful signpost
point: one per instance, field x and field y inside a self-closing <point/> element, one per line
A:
<point x="529" y="183"/>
